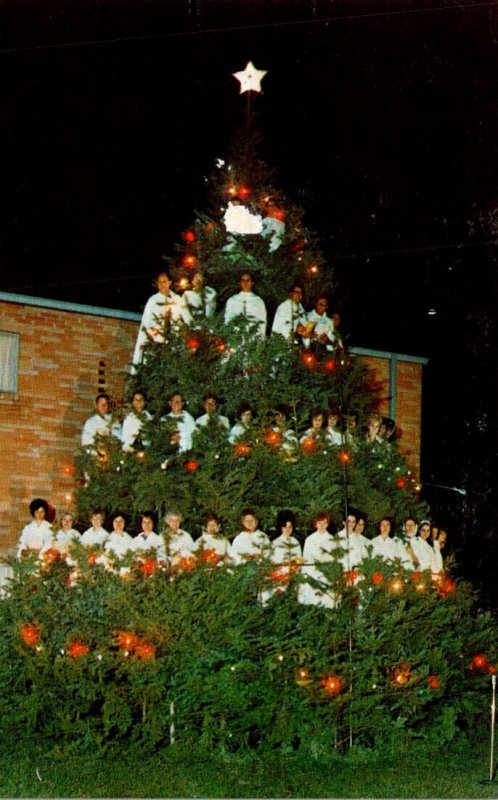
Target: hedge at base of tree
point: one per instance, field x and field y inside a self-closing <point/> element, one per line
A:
<point x="192" y="654"/>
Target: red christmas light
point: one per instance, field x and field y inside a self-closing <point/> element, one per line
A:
<point x="148" y="567"/>
<point x="244" y="192"/>
<point x="332" y="684"/>
<point x="191" y="465"/>
<point x="193" y="344"/>
<point x="400" y="483"/>
<point x="273" y="438"/>
<point x="309" y="445"/>
<point x="51" y="555"/>
<point x="220" y="346"/>
<point x="351" y="577"/>
<point x="189" y="261"/>
<point x="30" y="635"/>
<point x="447" y="586"/>
<point x="145" y="651"/>
<point x="344" y="457"/>
<point x="92" y="558"/>
<point x="492" y="669"/>
<point x="186" y="563"/>
<point x="78" y="649"/>
<point x="242" y="449"/>
<point x="127" y="641"/>
<point x="433" y="681"/>
<point x="313" y="269"/>
<point x="309" y="360"/>
<point x="210" y="557"/>
<point x="402" y="674"/>
<point x="479" y="662"/>
<point x="377" y="578"/>
<point x="330" y="365"/>
<point x="278" y="213"/>
<point x="189" y="236"/>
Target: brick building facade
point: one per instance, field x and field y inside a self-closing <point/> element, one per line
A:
<point x="59" y="355"/>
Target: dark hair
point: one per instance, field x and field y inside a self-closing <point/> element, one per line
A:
<point x="406" y="519"/>
<point x="117" y="514"/>
<point x="211" y="516"/>
<point x="39" y="502"/>
<point x="246" y="511"/>
<point x="389" y="520"/>
<point x="102" y="394"/>
<point x="138" y="391"/>
<point x="296" y="286"/>
<point x="315" y="412"/>
<point x="283" y="517"/>
<point x="243" y="407"/>
<point x="246" y="272"/>
<point x="282" y="408"/>
<point x="210" y="396"/>
<point x="148" y="515"/>
<point x="174" y="394"/>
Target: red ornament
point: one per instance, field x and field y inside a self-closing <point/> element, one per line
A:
<point x="127" y="641"/>
<point x="189" y="236"/>
<point x="433" y="681"/>
<point x="330" y="365"/>
<point x="273" y="438"/>
<point x="479" y="662"/>
<point x="145" y="651"/>
<point x="351" y="577"/>
<point x="492" y="669"/>
<point x="377" y="577"/>
<point x="309" y="360"/>
<point x="77" y="649"/>
<point x="191" y="465"/>
<point x="332" y="684"/>
<point x="51" y="555"/>
<point x="242" y="450"/>
<point x="30" y="635"/>
<point x="400" y="483"/>
<point x="186" y="563"/>
<point x="344" y="457"/>
<point x="278" y="213"/>
<point x="193" y="343"/>
<point x="189" y="261"/>
<point x="67" y="470"/>
<point x="220" y="346"/>
<point x="92" y="558"/>
<point x="148" y="567"/>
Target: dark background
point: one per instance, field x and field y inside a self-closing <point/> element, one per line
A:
<point x="381" y="119"/>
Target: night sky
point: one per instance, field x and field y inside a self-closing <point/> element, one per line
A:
<point x="381" y="119"/>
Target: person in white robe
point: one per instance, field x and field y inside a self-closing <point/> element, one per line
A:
<point x="37" y="535"/>
<point x="290" y="316"/>
<point x="200" y="300"/>
<point x="101" y="423"/>
<point x="184" y="422"/>
<point x="250" y="542"/>
<point x="246" y="304"/>
<point x="320" y="326"/>
<point x="134" y="421"/>
<point x="162" y="309"/>
<point x="319" y="547"/>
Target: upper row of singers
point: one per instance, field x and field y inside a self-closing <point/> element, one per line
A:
<point x="199" y="303"/>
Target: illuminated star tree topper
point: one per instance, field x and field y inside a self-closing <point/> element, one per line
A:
<point x="250" y="78"/>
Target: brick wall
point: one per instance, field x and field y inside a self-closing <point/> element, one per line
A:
<point x="67" y="354"/>
<point x="62" y="356"/>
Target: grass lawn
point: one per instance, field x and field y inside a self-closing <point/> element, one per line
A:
<point x="38" y="770"/>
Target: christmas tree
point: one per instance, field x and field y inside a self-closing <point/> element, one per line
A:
<point x="201" y="651"/>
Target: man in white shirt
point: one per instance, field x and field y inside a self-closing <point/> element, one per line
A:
<point x="200" y="300"/>
<point x="100" y="424"/>
<point x="185" y="424"/>
<point x="323" y="326"/>
<point x="250" y="542"/>
<point x="96" y="535"/>
<point x="290" y="316"/>
<point x="162" y="309"/>
<point x="212" y="416"/>
<point x="246" y="304"/>
<point x="133" y="422"/>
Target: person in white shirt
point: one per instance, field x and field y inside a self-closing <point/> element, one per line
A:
<point x="148" y="541"/>
<point x="241" y="428"/>
<point x="423" y="547"/>
<point x="390" y="549"/>
<point x="212" y="415"/>
<point x="250" y="542"/>
<point x="67" y="534"/>
<point x="285" y="548"/>
<point x="323" y="326"/>
<point x="200" y="300"/>
<point x="211" y="539"/>
<point x="332" y="431"/>
<point x="96" y="535"/>
<point x="100" y="424"/>
<point x="119" y="543"/>
<point x="178" y="543"/>
<point x="352" y="533"/>
<point x="287" y="441"/>
<point x="439" y="537"/>
<point x="133" y="423"/>
<point x="246" y="304"/>
<point x="373" y="429"/>
<point x="162" y="310"/>
<point x="314" y="438"/>
<point x="290" y="316"/>
<point x="37" y="535"/>
<point x="185" y="424"/>
<point x="319" y="547"/>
